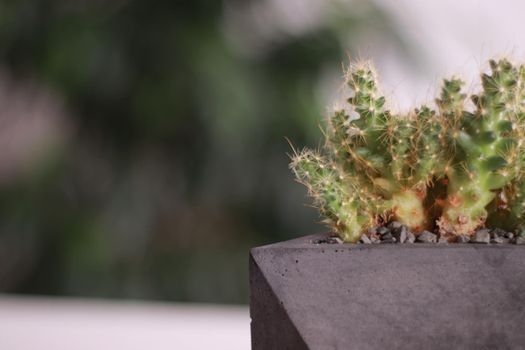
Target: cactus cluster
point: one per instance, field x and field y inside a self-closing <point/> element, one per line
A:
<point x="453" y="168"/>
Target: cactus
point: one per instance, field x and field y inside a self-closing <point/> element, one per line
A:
<point x="381" y="166"/>
<point x="485" y="145"/>
<point x="337" y="195"/>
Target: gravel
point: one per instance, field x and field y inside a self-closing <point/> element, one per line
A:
<point x="499" y="240"/>
<point x="388" y="238"/>
<point x="426" y="237"/>
<point x="497" y="232"/>
<point x="365" y="239"/>
<point x="383" y="230"/>
<point x="400" y="234"/>
<point x="329" y="240"/>
<point x="519" y="240"/>
<point x="395" y="232"/>
<point x="463" y="239"/>
<point x="481" y="236"/>
<point x="394" y="225"/>
<point x="443" y="240"/>
<point x="375" y="239"/>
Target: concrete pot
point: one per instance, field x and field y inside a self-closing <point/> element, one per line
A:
<point x="387" y="296"/>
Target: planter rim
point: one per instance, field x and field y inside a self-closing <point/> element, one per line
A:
<point x="307" y="242"/>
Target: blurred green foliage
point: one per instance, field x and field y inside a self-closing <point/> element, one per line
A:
<point x="177" y="164"/>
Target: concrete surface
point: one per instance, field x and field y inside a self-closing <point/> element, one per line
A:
<point x="410" y="296"/>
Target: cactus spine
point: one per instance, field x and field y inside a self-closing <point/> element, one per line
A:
<point x="381" y="166"/>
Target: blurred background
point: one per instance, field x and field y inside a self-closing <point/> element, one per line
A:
<point x="142" y="144"/>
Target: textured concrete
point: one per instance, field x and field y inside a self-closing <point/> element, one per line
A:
<point x="419" y="296"/>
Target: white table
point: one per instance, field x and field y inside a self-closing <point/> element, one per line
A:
<point x="63" y="323"/>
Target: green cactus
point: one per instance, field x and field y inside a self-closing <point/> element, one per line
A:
<point x="336" y="194"/>
<point x="381" y="166"/>
<point x="484" y="145"/>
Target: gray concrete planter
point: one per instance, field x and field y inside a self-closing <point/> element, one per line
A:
<point x="388" y="296"/>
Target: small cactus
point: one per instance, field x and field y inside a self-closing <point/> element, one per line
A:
<point x="379" y="166"/>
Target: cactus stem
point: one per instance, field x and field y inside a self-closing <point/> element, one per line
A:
<point x="408" y="209"/>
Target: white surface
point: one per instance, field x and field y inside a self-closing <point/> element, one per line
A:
<point x="447" y="37"/>
<point x="45" y="323"/>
